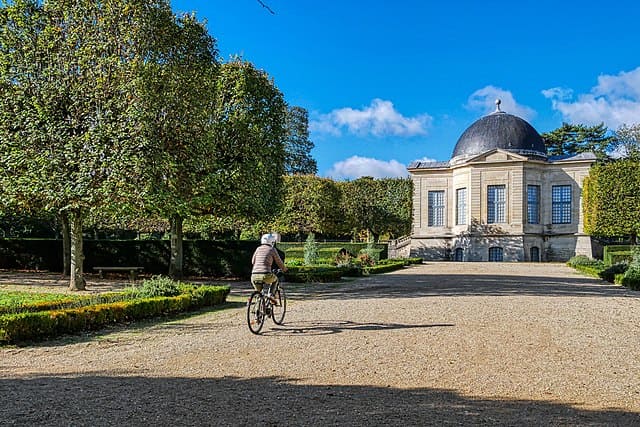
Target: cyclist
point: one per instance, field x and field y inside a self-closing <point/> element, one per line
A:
<point x="263" y="258"/>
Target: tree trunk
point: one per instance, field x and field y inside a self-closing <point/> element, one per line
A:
<point x="66" y="244"/>
<point x="76" y="282"/>
<point x="175" y="265"/>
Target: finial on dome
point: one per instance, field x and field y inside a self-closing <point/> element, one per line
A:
<point x="498" y="102"/>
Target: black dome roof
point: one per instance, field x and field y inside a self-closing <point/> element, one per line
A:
<point x="500" y="130"/>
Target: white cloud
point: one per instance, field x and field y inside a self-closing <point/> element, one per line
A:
<point x="356" y="166"/>
<point x="378" y="119"/>
<point x="484" y="100"/>
<point x="615" y="100"/>
<point x="558" y="93"/>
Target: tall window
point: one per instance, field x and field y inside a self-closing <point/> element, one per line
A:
<point x="495" y="254"/>
<point x="461" y="206"/>
<point x="561" y="204"/>
<point x="533" y="204"/>
<point x="436" y="209"/>
<point x="495" y="204"/>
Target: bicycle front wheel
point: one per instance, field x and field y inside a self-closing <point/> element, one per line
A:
<point x="279" y="307"/>
<point x="255" y="312"/>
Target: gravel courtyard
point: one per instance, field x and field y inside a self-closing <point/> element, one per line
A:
<point x="435" y="344"/>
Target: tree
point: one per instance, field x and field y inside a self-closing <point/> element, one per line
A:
<point x="176" y="85"/>
<point x="248" y="117"/>
<point x="298" y="146"/>
<point x="572" y="139"/>
<point x="67" y="144"/>
<point x="231" y="164"/>
<point x="311" y="205"/>
<point x="628" y="137"/>
<point x="611" y="199"/>
<point x="378" y="206"/>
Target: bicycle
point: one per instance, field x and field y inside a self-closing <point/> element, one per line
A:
<point x="264" y="303"/>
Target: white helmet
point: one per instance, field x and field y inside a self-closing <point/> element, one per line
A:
<point x="268" y="239"/>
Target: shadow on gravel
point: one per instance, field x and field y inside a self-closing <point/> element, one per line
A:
<point x="327" y="327"/>
<point x="100" y="400"/>
<point x="420" y="285"/>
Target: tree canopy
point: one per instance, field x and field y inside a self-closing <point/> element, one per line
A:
<point x="120" y="108"/>
<point x="573" y="139"/>
<point x="67" y="141"/>
<point x="298" y="146"/>
<point x="628" y="137"/>
<point x="378" y="205"/>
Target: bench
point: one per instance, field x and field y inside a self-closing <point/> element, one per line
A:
<point x="133" y="271"/>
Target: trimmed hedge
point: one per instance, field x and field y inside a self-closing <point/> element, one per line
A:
<point x="214" y="258"/>
<point x="51" y="323"/>
<point x="329" y="250"/>
<point x="385" y="268"/>
<point x="615" y="254"/>
<point x="331" y="273"/>
<point x="323" y="274"/>
<point x="67" y="302"/>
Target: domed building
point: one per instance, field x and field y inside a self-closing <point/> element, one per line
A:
<point x="500" y="198"/>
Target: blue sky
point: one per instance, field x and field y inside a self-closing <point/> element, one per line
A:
<point x="390" y="82"/>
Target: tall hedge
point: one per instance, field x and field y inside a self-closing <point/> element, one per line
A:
<point x="611" y="199"/>
<point x="201" y="257"/>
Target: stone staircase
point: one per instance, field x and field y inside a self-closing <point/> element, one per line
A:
<point x="400" y="247"/>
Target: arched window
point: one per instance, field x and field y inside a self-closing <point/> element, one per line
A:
<point x="534" y="252"/>
<point x="495" y="254"/>
<point x="458" y="254"/>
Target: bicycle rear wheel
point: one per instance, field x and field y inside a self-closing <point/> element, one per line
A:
<point x="279" y="307"/>
<point x="255" y="312"/>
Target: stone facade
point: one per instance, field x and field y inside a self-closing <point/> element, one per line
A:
<point x="486" y="208"/>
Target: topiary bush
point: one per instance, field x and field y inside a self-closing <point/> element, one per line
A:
<point x="311" y="250"/>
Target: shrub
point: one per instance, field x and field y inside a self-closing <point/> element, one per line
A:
<point x="631" y="277"/>
<point x="584" y="264"/>
<point x="385" y="268"/>
<point x="365" y="260"/>
<point x="583" y="260"/>
<point x="310" y="250"/>
<point x="294" y="262"/>
<point x="157" y="286"/>
<point x="344" y="259"/>
<point x="609" y="274"/>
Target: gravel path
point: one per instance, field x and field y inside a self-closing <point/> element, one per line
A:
<point x="436" y="344"/>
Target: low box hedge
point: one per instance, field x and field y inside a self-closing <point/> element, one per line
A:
<point x="614" y="254"/>
<point x="330" y="249"/>
<point x="65" y="302"/>
<point x="323" y="274"/>
<point x="51" y="323"/>
<point x="386" y="267"/>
